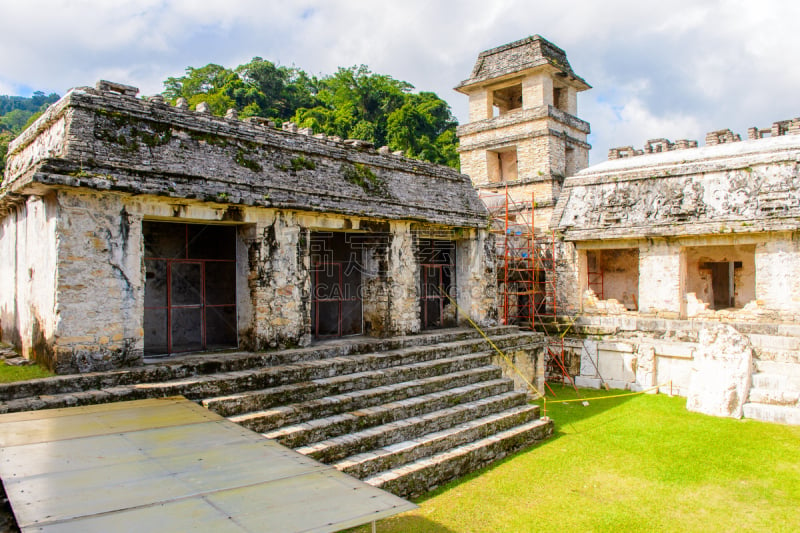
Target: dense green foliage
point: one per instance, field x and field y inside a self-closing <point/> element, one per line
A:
<point x="16" y="114"/>
<point x="352" y="103"/>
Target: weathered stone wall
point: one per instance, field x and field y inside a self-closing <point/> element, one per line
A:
<point x="660" y="274"/>
<point x="88" y="317"/>
<point x="108" y="141"/>
<point x="99" y="286"/>
<point x="477" y="289"/>
<point x="777" y="266"/>
<point x="740" y="187"/>
<point x="28" y="276"/>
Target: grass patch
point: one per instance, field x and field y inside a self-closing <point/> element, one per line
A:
<point x="636" y="463"/>
<point x="10" y="373"/>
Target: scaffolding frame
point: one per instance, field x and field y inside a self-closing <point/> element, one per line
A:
<point x="526" y="279"/>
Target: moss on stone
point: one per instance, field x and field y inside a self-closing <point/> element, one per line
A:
<point x="209" y="138"/>
<point x="242" y="160"/>
<point x="363" y="176"/>
<point x="302" y="163"/>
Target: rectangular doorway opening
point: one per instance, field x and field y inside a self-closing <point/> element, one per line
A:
<point x="190" y="288"/>
<point x="437" y="268"/>
<point x="502" y="164"/>
<point x="614" y="274"/>
<point x="506" y="99"/>
<point x="721" y="277"/>
<point x="336" y="285"/>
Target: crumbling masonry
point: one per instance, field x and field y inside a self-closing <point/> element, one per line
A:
<point x="676" y="265"/>
<point x="132" y="228"/>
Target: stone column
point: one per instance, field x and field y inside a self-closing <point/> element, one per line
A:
<point x="99" y="250"/>
<point x="280" y="283"/>
<point x="475" y="278"/>
<point x="778" y="274"/>
<point x="403" y="274"/>
<point x="660" y="279"/>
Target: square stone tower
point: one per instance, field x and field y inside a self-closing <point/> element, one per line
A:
<point x="523" y="132"/>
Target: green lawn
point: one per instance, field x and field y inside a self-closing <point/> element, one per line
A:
<point x="9" y="373"/>
<point x="636" y="463"/>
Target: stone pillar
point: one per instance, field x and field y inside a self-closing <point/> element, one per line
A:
<point x="570" y="278"/>
<point x="778" y="274"/>
<point x="480" y="106"/>
<point x="660" y="279"/>
<point x="537" y="90"/>
<point x="375" y="290"/>
<point x="403" y="274"/>
<point x="280" y="283"/>
<point x="99" y="260"/>
<point x="475" y="278"/>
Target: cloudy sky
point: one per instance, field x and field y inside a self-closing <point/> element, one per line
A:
<point x="659" y="69"/>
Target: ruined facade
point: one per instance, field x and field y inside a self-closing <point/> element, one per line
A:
<point x="130" y="228"/>
<point x="674" y="265"/>
<point x="670" y="251"/>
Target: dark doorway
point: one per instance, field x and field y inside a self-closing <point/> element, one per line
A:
<point x="437" y="265"/>
<point x="190" y="288"/>
<point x="336" y="270"/>
<point x="722" y="283"/>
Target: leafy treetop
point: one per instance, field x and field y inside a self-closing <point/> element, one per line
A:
<point x="354" y="102"/>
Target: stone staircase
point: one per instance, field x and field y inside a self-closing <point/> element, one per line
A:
<point x="406" y="414"/>
<point x="775" y="389"/>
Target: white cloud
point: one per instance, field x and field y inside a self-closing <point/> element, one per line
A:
<point x="671" y="69"/>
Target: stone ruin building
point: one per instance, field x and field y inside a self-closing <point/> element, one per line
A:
<point x="312" y="289"/>
<point x="675" y="265"/>
<point x="308" y="287"/>
<point x="115" y="208"/>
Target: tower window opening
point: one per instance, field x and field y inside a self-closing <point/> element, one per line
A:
<point x="507" y="99"/>
<point x="502" y="164"/>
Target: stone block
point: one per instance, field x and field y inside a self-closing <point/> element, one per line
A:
<point x="721" y="372"/>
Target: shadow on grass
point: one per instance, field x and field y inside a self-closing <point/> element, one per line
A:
<point x="568" y="407"/>
<point x="405" y="524"/>
<point x="564" y="415"/>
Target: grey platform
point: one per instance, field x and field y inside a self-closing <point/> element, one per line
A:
<point x="170" y="465"/>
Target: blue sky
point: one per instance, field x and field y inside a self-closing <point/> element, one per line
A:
<point x="659" y="69"/>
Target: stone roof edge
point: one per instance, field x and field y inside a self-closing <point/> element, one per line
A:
<point x="474" y="79"/>
<point x="51" y="114"/>
<point x="91" y="98"/>
<point x="725" y="226"/>
<point x="676" y="163"/>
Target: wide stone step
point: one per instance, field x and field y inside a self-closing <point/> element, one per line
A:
<point x="774" y="342"/>
<point x="249" y="401"/>
<point x="426" y="474"/>
<point x="303" y="434"/>
<point x="774" y="397"/>
<point x="777" y="382"/>
<point x="282" y="415"/>
<point x="337" y="448"/>
<point x="180" y="367"/>
<point x="780" y="414"/>
<point x="778" y="356"/>
<point x="198" y="387"/>
<point x="387" y="457"/>
<point x="780" y="368"/>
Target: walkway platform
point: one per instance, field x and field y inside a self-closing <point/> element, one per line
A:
<point x="170" y="465"/>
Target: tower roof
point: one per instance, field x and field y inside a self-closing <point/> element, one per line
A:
<point x="519" y="56"/>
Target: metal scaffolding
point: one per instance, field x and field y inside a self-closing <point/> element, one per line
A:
<point x="527" y="274"/>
